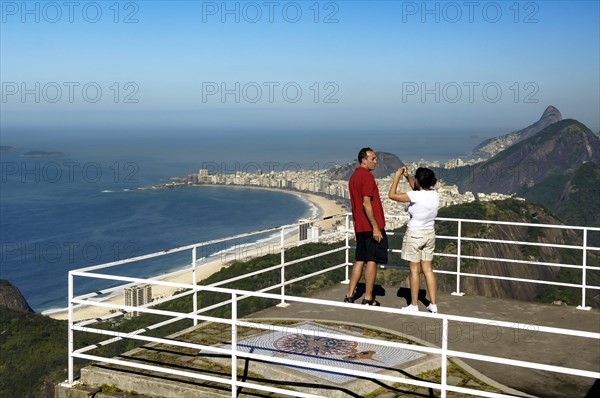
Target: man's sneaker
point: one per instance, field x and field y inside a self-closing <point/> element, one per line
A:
<point x="412" y="308"/>
<point x="432" y="308"/>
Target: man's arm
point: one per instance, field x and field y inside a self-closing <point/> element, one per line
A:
<point x="371" y="217"/>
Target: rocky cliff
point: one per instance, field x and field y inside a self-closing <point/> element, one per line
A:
<point x="11" y="297"/>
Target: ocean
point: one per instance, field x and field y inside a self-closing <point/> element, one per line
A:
<point x="65" y="213"/>
<point x="82" y="209"/>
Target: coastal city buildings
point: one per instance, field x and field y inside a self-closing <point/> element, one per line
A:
<point x="319" y="182"/>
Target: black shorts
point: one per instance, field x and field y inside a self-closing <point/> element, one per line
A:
<point x="367" y="249"/>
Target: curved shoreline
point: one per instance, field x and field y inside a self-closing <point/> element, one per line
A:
<point x="207" y="267"/>
<point x="326" y="207"/>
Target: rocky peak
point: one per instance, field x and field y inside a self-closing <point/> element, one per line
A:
<point x="12" y="298"/>
<point x="492" y="146"/>
<point x="552" y="113"/>
<point x="550" y="116"/>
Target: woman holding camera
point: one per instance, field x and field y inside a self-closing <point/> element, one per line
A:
<point x="419" y="241"/>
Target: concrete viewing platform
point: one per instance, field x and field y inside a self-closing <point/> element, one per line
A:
<point x="524" y="345"/>
<point x="491" y="339"/>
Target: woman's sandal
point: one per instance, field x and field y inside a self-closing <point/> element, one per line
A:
<point x="348" y="299"/>
<point x="371" y="302"/>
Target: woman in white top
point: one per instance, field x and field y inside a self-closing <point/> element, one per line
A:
<point x="419" y="241"/>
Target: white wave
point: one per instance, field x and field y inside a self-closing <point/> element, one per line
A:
<point x="104" y="297"/>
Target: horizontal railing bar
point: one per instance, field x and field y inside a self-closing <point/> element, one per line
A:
<point x="508" y="278"/>
<point x="525" y="364"/>
<point x="150" y="304"/>
<point x="248" y="275"/>
<point x="521" y="243"/>
<point x="330" y="303"/>
<point x="151" y="368"/>
<point x="189" y="247"/>
<point x="313" y="256"/>
<point x="446" y="237"/>
<point x="139" y="331"/>
<point x="192" y="375"/>
<point x="510" y="260"/>
<point x="333" y="267"/>
<point x="516" y="223"/>
<point x="152" y="311"/>
<point x="151" y="339"/>
<point x="274" y="267"/>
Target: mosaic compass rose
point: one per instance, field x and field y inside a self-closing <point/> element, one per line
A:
<point x="313" y="345"/>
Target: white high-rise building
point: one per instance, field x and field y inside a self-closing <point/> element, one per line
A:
<point x="136" y="296"/>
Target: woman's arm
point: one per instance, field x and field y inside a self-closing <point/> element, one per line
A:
<point x="392" y="194"/>
<point x="411" y="181"/>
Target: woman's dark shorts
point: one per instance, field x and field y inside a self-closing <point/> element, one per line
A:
<point x="367" y="249"/>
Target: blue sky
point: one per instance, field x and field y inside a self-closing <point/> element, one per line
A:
<point x="484" y="68"/>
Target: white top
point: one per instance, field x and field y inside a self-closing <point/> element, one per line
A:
<point x="423" y="208"/>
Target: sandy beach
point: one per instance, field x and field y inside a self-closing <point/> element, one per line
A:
<point x="206" y="268"/>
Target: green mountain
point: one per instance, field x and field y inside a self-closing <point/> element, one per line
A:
<point x="550" y="167"/>
<point x="33" y="353"/>
<point x="514" y="211"/>
<point x="574" y="197"/>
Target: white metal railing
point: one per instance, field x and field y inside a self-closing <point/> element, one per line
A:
<point x="236" y="295"/>
<point x="584" y="247"/>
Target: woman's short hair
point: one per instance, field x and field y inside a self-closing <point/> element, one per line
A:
<point x="425" y="177"/>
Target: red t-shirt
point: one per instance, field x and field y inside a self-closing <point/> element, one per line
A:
<point x="362" y="183"/>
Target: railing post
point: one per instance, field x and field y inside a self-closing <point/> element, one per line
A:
<point x="584" y="272"/>
<point x="283" y="304"/>
<point x="444" y="365"/>
<point x="195" y="295"/>
<point x="458" y="249"/>
<point x="347" y="280"/>
<point x="70" y="328"/>
<point x="234" y="317"/>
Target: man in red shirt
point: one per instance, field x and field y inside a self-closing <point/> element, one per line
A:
<point x="369" y="226"/>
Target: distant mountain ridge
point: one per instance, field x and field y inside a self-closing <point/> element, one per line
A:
<point x="493" y="146"/>
<point x="556" y="167"/>
<point x="560" y="148"/>
<point x="387" y="163"/>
